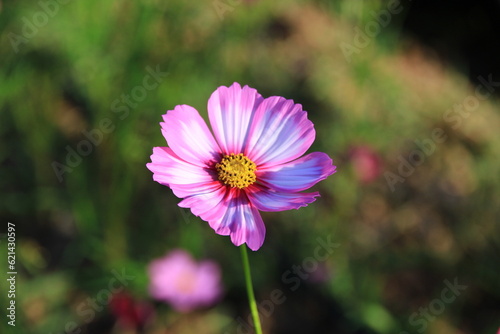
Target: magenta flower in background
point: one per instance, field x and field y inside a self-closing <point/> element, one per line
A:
<point x="366" y="162"/>
<point x="253" y="163"/>
<point x="184" y="283"/>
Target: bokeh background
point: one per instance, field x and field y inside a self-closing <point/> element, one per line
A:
<point x="378" y="90"/>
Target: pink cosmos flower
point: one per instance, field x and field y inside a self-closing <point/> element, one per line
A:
<point x="186" y="285"/>
<point x="253" y="163"/>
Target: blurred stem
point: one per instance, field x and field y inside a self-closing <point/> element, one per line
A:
<point x="251" y="296"/>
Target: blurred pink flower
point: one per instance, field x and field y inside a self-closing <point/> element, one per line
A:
<point x="366" y="163"/>
<point x="253" y="163"/>
<point x="183" y="283"/>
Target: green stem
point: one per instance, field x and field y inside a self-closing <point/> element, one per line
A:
<point x="251" y="297"/>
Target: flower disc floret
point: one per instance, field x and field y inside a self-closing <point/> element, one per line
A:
<point x="236" y="170"/>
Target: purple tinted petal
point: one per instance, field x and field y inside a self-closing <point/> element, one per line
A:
<point x="168" y="169"/>
<point x="266" y="199"/>
<point x="188" y="136"/>
<point x="297" y="175"/>
<point x="280" y="132"/>
<point x="230" y="110"/>
<point x="242" y="221"/>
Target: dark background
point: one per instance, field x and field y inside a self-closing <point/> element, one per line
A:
<point x="461" y="33"/>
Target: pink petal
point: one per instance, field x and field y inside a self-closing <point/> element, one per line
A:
<point x="208" y="288"/>
<point x="186" y="190"/>
<point x="230" y="110"/>
<point x="280" y="132"/>
<point x="168" y="169"/>
<point x="208" y="204"/>
<point x="168" y="273"/>
<point x="266" y="199"/>
<point x="165" y="270"/>
<point x="297" y="175"/>
<point x="188" y="136"/>
<point x="242" y="221"/>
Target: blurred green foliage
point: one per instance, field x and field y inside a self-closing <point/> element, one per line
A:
<point x="66" y="75"/>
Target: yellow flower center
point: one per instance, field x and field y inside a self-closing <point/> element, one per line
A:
<point x="236" y="170"/>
